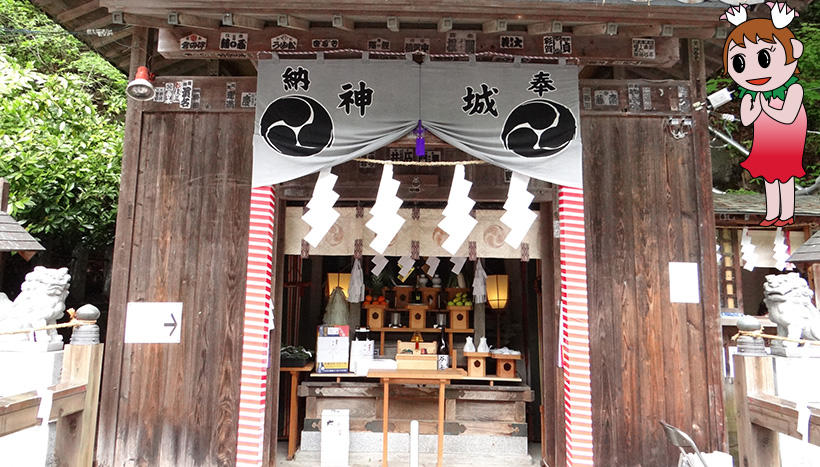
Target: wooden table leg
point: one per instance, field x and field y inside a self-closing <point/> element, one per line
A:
<point x="294" y="411"/>
<point x="381" y="344"/>
<point x="384" y="421"/>
<point x="440" y="422"/>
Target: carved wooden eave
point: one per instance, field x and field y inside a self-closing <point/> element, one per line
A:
<point x="107" y="25"/>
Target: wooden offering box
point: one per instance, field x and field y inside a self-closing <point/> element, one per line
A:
<point x="459" y="316"/>
<point x="505" y="365"/>
<point x="418" y="316"/>
<point x="417" y="360"/>
<point x="375" y="315"/>
<point x="429" y="296"/>
<point x="477" y="363"/>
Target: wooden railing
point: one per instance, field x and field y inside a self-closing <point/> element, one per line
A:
<point x="74" y="406"/>
<point x="761" y="414"/>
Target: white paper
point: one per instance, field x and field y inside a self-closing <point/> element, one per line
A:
<point x="321" y="216"/>
<point x="379" y="262"/>
<point x="153" y="322"/>
<point x="335" y="440"/>
<point x="684" y="283"/>
<point x="332" y="349"/>
<point x="458" y="263"/>
<point x="432" y="262"/>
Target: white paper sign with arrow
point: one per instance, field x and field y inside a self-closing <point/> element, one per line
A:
<point x="153" y="322"/>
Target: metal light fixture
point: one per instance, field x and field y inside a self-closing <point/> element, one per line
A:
<point x="338" y="279"/>
<point x="497" y="291"/>
<point x="141" y="88"/>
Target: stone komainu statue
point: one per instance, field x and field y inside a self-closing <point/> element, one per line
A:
<point x="788" y="298"/>
<point x="41" y="302"/>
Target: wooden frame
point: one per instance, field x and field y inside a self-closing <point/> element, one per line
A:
<point x="761" y="415"/>
<point x="74" y="406"/>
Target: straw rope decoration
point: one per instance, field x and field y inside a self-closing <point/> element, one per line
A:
<point x="769" y="336"/>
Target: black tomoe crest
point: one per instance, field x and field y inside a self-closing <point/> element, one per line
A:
<point x="538" y="128"/>
<point x="296" y="126"/>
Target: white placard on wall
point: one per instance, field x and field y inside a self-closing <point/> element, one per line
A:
<point x="684" y="283"/>
<point x="153" y="322"/>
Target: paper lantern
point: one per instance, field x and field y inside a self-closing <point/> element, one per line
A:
<point x="497" y="290"/>
<point x="338" y="279"/>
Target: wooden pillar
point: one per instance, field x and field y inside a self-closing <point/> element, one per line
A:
<point x="75" y="433"/>
<point x="552" y="394"/>
<point x="716" y="431"/>
<point x="272" y="405"/>
<point x="757" y="446"/>
<point x="121" y="267"/>
<point x="479" y="321"/>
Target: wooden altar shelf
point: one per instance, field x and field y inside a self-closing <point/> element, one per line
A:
<point x="489" y="379"/>
<point x="449" y="332"/>
<point x="470" y="409"/>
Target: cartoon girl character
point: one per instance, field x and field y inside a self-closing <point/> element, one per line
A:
<point x="761" y="55"/>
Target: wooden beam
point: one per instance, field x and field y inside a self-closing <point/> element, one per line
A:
<point x="494" y="25"/>
<point x="144" y="21"/>
<point x="345" y="23"/>
<point x="292" y="22"/>
<point x="649" y="30"/>
<point x="538" y="29"/>
<point x="19" y="411"/>
<point x="193" y="21"/>
<point x="117" y="36"/>
<point x="599" y="29"/>
<point x="445" y="24"/>
<point x="76" y="12"/>
<point x="100" y="22"/>
<point x="243" y="21"/>
<point x="477" y="11"/>
<point x="585" y="50"/>
<point x="4" y="195"/>
<point x="777" y="414"/>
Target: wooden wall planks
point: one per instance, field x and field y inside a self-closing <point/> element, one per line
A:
<point x="178" y="403"/>
<point x="649" y="356"/>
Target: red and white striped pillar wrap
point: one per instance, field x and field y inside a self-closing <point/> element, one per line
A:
<point x="575" y="327"/>
<point x="258" y="323"/>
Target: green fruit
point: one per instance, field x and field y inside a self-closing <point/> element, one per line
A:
<point x="451" y="303"/>
<point x="469" y="303"/>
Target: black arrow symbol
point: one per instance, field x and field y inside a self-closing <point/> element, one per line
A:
<point x="173" y="325"/>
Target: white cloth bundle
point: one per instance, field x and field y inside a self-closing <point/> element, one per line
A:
<point x="479" y="284"/>
<point x="355" y="289"/>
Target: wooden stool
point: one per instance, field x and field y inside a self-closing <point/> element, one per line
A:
<point x="418" y="316"/>
<point x="476" y="363"/>
<point x="375" y="316"/>
<point x="459" y="317"/>
<point x="505" y="365"/>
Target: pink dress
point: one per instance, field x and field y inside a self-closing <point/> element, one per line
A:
<point x="777" y="148"/>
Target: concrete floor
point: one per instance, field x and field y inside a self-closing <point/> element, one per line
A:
<point x="312" y="459"/>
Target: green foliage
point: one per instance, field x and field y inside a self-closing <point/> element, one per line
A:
<point x="61" y="129"/>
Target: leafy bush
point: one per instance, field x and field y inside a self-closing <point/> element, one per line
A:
<point x="62" y="111"/>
